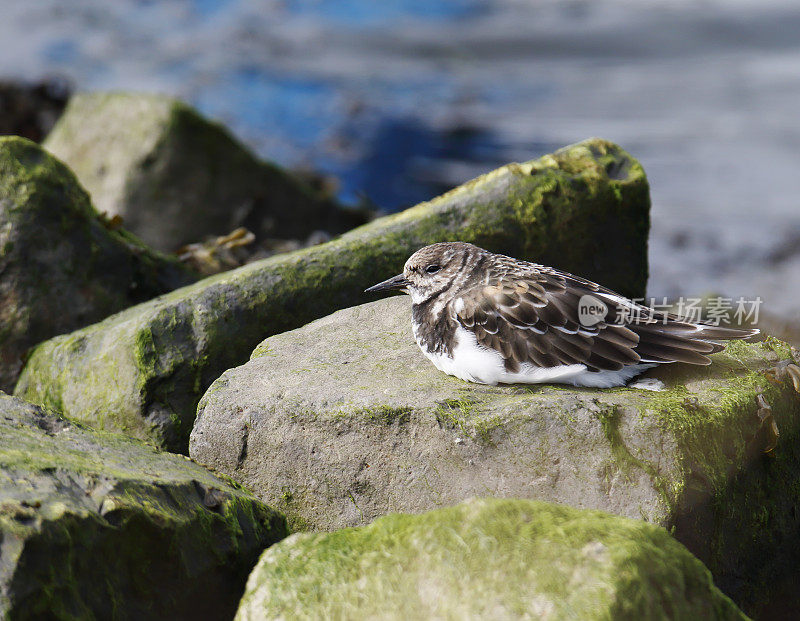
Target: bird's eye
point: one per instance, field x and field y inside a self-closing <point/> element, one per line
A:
<point x="432" y="269"/>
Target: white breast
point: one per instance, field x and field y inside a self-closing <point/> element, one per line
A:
<point x="474" y="363"/>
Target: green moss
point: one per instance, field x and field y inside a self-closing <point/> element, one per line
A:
<point x="144" y="351"/>
<point x="770" y="343"/>
<point x="296" y="523"/>
<point x="457" y="414"/>
<point x="711" y="429"/>
<point x="385" y="414"/>
<point x="27" y="173"/>
<point x="260" y="351"/>
<point x="486" y="558"/>
<point x="608" y="416"/>
<point x="150" y="565"/>
<point x="47" y="214"/>
<point x="627" y="462"/>
<point x="293" y="504"/>
<point x="175" y="541"/>
<point x="728" y="499"/>
<point x="467" y="416"/>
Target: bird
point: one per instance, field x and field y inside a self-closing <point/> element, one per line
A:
<point x="491" y="319"/>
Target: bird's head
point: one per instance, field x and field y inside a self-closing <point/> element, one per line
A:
<point x="430" y="270"/>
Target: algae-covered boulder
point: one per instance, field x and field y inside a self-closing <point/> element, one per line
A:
<point x="175" y="177"/>
<point x="61" y="267"/>
<point x="345" y="420"/>
<point x="97" y="526"/>
<point x="584" y="208"/>
<point x="485" y="559"/>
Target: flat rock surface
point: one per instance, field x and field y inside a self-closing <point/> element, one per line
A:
<point x="485" y="559"/>
<point x="344" y="420"/>
<point x="144" y="370"/>
<point x="98" y="526"/>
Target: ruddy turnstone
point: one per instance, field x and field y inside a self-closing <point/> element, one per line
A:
<point x="490" y="319"/>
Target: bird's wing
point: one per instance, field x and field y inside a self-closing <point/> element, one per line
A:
<point x="531" y="315"/>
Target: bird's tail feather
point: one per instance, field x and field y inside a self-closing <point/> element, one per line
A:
<point x="682" y="341"/>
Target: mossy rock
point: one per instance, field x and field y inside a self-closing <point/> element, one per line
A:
<point x="344" y="420"/>
<point x="61" y="266"/>
<point x="98" y="526"/>
<point x="486" y="559"/>
<point x="176" y="177"/>
<point x="584" y="208"/>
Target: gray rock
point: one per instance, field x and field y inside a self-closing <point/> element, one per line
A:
<point x="61" y="266"/>
<point x="98" y="526"/>
<point x="485" y="559"/>
<point x="176" y="177"/>
<point x="344" y="420"/>
<point x="144" y="370"/>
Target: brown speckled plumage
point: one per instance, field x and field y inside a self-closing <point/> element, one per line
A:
<point x="529" y="314"/>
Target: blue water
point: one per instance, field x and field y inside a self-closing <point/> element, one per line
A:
<point x="381" y="12"/>
<point x="403" y="99"/>
<point x="209" y="8"/>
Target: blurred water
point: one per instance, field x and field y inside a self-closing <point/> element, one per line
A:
<point x="401" y="99"/>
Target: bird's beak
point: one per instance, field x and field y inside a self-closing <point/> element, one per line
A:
<point x="394" y="283"/>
